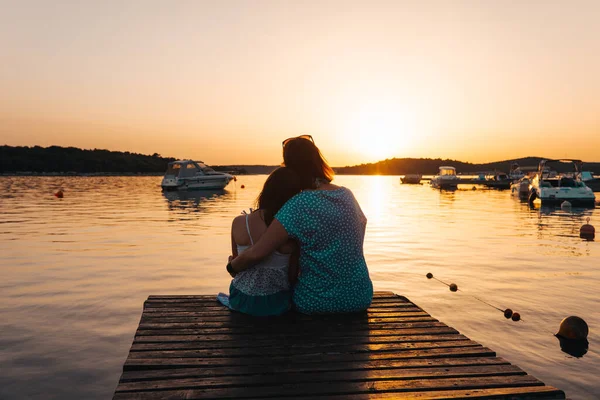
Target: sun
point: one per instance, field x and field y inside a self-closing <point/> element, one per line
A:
<point x="378" y="133"/>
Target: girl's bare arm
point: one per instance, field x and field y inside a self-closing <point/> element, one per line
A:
<point x="271" y="240"/>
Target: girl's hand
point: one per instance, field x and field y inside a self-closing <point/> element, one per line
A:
<point x="230" y="269"/>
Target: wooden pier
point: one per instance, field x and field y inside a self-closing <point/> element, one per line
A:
<point x="191" y="347"/>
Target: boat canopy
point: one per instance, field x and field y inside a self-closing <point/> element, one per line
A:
<point x="447" y="171"/>
<point x="188" y="168"/>
<point x="560" y="166"/>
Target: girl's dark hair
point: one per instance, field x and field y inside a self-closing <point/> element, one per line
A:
<point x="280" y="186"/>
<point x="306" y="160"/>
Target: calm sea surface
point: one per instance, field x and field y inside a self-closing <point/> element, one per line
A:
<point x="74" y="272"/>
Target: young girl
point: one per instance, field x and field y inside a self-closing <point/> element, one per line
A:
<point x="265" y="289"/>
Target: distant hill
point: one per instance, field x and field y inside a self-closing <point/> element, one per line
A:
<point x="38" y="159"/>
<point x="429" y="166"/>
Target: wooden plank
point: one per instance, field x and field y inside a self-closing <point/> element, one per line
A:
<point x="340" y="388"/>
<point x="203" y="312"/>
<point x="376" y="295"/>
<point x="322" y="377"/>
<point x="156" y="363"/>
<point x="311" y="345"/>
<point x="226" y="341"/>
<point x="229" y="314"/>
<point x="510" y="393"/>
<point x="199" y="301"/>
<point x="188" y="349"/>
<point x="379" y="329"/>
<point x="374" y="317"/>
<point x="281" y="369"/>
<point x="217" y="307"/>
<point x="233" y="323"/>
<point x="157" y="306"/>
<point x="276" y="336"/>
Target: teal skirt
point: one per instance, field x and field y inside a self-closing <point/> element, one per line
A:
<point x="261" y="306"/>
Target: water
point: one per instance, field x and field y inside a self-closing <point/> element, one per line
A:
<point x="74" y="272"/>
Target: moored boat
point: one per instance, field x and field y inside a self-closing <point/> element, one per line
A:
<point x="192" y="175"/>
<point x="445" y="179"/>
<point x="497" y="180"/>
<point x="411" y="179"/>
<point x="520" y="188"/>
<point x="515" y="172"/>
<point x="553" y="189"/>
<point x="590" y="181"/>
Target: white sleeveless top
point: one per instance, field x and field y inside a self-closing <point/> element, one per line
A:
<point x="269" y="276"/>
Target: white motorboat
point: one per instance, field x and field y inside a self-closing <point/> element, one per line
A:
<point x="445" y="179"/>
<point x="555" y="188"/>
<point x="192" y="175"/>
<point x="520" y="188"/>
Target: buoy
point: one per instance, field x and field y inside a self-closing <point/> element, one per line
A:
<point x="516" y="316"/>
<point x="573" y="328"/>
<point x="565" y="204"/>
<point x="234" y="179"/>
<point x="429" y="275"/>
<point x="242" y="186"/>
<point x="59" y="194"/>
<point x="453" y="287"/>
<point x="473" y="188"/>
<point x="587" y="231"/>
<point x="572" y="336"/>
<point x="508" y="313"/>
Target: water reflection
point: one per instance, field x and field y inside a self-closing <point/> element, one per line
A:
<point x="193" y="201"/>
<point x="557" y="210"/>
<point x="575" y="348"/>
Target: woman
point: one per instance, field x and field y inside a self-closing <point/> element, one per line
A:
<point x="329" y="226"/>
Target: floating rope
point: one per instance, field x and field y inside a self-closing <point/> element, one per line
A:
<point x="508" y="313"/>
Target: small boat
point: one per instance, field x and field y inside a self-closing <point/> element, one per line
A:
<point x="414" y="179"/>
<point x="590" y="181"/>
<point x="192" y="175"/>
<point x="515" y="172"/>
<point x="554" y="188"/>
<point x="497" y="180"/>
<point x="445" y="179"/>
<point x="520" y="188"/>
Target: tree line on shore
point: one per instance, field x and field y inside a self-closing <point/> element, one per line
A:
<point x="37" y="159"/>
<point x="56" y="159"/>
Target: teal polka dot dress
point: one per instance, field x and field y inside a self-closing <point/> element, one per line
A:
<point x="330" y="229"/>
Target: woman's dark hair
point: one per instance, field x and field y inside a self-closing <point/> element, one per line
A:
<point x="280" y="186"/>
<point x="306" y="160"/>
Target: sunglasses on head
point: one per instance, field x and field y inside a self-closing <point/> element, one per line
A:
<point x="307" y="137"/>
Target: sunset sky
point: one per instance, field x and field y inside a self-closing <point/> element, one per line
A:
<point x="226" y="81"/>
